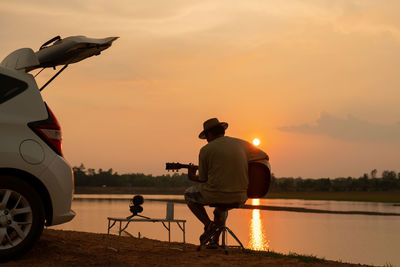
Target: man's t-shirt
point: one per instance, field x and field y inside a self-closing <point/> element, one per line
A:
<point x="223" y="164"/>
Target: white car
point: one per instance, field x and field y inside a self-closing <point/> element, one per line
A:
<point x="36" y="182"/>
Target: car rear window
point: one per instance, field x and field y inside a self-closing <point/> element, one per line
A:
<point x="10" y="87"/>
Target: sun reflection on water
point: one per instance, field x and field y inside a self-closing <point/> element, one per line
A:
<point x="257" y="240"/>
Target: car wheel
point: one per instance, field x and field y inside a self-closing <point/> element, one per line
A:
<point x="21" y="217"/>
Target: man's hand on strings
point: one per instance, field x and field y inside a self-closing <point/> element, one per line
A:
<point x="192" y="169"/>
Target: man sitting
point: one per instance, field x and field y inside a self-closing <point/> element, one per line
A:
<point x="223" y="175"/>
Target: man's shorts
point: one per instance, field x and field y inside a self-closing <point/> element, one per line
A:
<point x="192" y="194"/>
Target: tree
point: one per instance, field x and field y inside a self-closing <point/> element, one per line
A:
<point x="388" y="175"/>
<point x="91" y="172"/>
<point x="373" y="173"/>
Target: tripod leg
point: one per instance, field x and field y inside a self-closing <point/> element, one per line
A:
<point x="235" y="237"/>
<point x="224" y="240"/>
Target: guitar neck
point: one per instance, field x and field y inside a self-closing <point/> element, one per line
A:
<point x="182" y="166"/>
<point x="177" y="166"/>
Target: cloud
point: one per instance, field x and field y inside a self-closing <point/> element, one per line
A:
<point x="349" y="129"/>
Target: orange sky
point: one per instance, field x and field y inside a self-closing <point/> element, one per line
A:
<point x="316" y="81"/>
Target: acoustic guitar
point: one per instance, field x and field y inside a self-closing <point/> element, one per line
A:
<point x="259" y="176"/>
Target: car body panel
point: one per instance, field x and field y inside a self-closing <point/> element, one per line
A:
<point x="32" y="152"/>
<point x="58" y="178"/>
<point x="53" y="171"/>
<point x="15" y="114"/>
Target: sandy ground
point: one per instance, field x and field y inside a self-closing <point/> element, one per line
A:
<point x="70" y="248"/>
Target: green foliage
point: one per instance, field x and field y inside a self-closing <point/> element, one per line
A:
<point x="390" y="180"/>
<point x="110" y="178"/>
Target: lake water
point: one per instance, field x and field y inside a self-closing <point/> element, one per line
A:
<point x="349" y="238"/>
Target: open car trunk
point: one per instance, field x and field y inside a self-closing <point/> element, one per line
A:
<point x="56" y="52"/>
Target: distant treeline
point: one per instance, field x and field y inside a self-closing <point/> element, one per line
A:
<point x="91" y="177"/>
<point x="389" y="180"/>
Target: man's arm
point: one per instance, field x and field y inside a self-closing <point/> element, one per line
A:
<point x="192" y="174"/>
<point x="203" y="173"/>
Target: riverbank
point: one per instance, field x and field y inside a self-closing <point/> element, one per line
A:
<point x="387" y="196"/>
<point x="258" y="207"/>
<point x="70" y="248"/>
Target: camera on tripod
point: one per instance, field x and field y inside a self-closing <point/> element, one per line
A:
<point x="135" y="206"/>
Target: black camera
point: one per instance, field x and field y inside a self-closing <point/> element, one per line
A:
<point x="135" y="206"/>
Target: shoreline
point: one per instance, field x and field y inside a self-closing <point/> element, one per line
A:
<point x="71" y="248"/>
<point x="379" y="196"/>
<point x="261" y="207"/>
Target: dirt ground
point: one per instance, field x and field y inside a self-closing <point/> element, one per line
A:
<point x="70" y="248"/>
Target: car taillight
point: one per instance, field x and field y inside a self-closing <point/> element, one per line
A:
<point x="49" y="131"/>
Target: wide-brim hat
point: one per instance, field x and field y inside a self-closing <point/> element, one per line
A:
<point x="209" y="124"/>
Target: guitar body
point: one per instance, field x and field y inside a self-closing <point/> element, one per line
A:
<point x="259" y="179"/>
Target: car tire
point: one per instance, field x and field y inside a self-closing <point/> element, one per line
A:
<point x="21" y="217"/>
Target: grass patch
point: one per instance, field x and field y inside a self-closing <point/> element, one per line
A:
<point x="273" y="254"/>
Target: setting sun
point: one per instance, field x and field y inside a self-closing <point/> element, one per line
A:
<point x="256" y="141"/>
